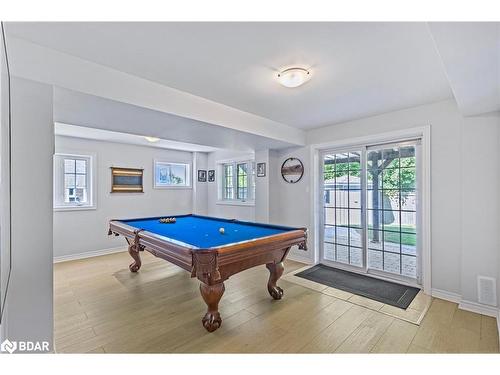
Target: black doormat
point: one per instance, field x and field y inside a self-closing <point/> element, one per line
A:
<point x="380" y="290"/>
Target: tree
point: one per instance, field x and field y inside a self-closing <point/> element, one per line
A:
<point x="176" y="180"/>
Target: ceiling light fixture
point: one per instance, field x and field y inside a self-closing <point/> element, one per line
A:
<point x="152" y="139"/>
<point x="294" y="77"/>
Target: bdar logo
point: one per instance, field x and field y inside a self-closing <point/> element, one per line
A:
<point x="8" y="346"/>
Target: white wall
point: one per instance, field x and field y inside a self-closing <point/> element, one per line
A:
<point x="464" y="154"/>
<point x="217" y="209"/>
<point x="446" y="176"/>
<point x="290" y="204"/>
<point x="29" y="314"/>
<point x="200" y="189"/>
<point x="86" y="230"/>
<point x="262" y="188"/>
<point x="480" y="195"/>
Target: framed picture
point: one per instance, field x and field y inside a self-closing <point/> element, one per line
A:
<point x="171" y="175"/>
<point x="211" y="175"/>
<point x="292" y="170"/>
<point x="126" y="180"/>
<point x="202" y="175"/>
<point x="261" y="169"/>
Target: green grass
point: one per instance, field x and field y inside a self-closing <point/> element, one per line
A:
<point x="407" y="238"/>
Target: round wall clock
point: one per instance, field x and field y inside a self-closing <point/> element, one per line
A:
<point x="292" y="170"/>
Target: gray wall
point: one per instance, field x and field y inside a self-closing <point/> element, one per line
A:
<point x="498" y="236"/>
<point x="4" y="181"/>
<point x="82" y="231"/>
<point x="29" y="314"/>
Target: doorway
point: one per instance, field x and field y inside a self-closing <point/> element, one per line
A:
<point x="370" y="215"/>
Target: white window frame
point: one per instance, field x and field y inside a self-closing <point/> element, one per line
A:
<point x="250" y="201"/>
<point x="58" y="187"/>
<point x="188" y="184"/>
<point x="422" y="132"/>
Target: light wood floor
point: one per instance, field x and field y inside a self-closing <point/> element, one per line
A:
<point x="101" y="307"/>
<point x="413" y="314"/>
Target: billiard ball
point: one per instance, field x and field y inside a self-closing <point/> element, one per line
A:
<point x="221" y="230"/>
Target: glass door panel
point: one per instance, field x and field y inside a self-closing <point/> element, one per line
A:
<point x="342" y="208"/>
<point x="392" y="209"/>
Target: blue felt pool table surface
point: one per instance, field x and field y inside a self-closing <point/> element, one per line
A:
<point x="203" y="232"/>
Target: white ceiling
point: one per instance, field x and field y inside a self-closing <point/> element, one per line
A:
<point x="471" y="55"/>
<point x="359" y="69"/>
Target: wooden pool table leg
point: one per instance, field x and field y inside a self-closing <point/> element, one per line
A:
<point x="134" y="267"/>
<point x="276" y="270"/>
<point x="211" y="295"/>
<point x="133" y="250"/>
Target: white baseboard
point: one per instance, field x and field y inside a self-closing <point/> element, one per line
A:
<point x="447" y="296"/>
<point x="471" y="306"/>
<point x="478" y="308"/>
<point x="299" y="258"/>
<point x="89" y="254"/>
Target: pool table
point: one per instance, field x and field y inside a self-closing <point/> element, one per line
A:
<point x="212" y="249"/>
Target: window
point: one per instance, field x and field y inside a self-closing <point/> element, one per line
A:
<point x="73" y="181"/>
<point x="242" y="186"/>
<point x="228" y="192"/>
<point x="238" y="181"/>
<point x="168" y="175"/>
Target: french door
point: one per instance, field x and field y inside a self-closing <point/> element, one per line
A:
<point x="370" y="209"/>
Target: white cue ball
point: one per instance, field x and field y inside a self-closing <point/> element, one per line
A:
<point x="221" y="230"/>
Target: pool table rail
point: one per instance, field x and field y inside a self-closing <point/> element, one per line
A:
<point x="227" y="261"/>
